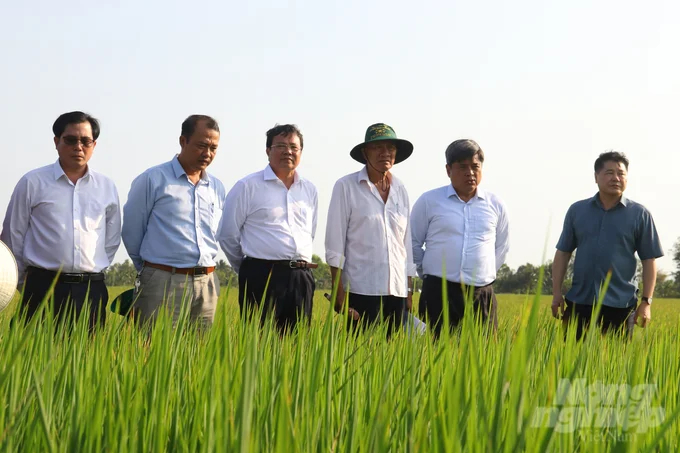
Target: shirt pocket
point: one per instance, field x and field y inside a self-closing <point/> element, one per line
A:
<point x="215" y="217"/>
<point x="483" y="227"/>
<point x="398" y="217"/>
<point x="95" y="215"/>
<point x="303" y="217"/>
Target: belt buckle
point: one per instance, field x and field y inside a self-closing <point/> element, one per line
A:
<point x="73" y="279"/>
<point x="293" y="264"/>
<point x="200" y="270"/>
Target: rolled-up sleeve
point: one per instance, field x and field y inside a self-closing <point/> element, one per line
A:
<point x="418" y="226"/>
<point x="136" y="214"/>
<point x="15" y="225"/>
<point x="336" y="226"/>
<point x="233" y="219"/>
<point x="113" y="228"/>
<point x="502" y="237"/>
<point x="411" y="269"/>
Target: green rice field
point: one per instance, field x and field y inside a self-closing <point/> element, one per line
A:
<point x="239" y="388"/>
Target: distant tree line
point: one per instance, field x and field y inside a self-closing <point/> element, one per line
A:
<point x="523" y="280"/>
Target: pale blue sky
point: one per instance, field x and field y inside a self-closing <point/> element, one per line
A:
<point x="543" y="87"/>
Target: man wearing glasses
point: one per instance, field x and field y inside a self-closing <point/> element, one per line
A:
<point x="269" y="231"/>
<point x="171" y="219"/>
<point x="368" y="233"/>
<point x="63" y="224"/>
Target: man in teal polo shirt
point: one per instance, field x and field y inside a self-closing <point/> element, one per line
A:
<point x="607" y="229"/>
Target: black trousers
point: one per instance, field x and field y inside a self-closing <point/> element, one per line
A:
<point x="290" y="293"/>
<point x="611" y="320"/>
<point x="483" y="301"/>
<point x="370" y="307"/>
<point x="69" y="298"/>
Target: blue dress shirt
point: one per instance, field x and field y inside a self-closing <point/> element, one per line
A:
<point x="169" y="220"/>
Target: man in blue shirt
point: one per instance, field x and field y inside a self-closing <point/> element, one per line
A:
<point x="607" y="229"/>
<point x="170" y="227"/>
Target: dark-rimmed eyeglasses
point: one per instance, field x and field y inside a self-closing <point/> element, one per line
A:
<point x="281" y="147"/>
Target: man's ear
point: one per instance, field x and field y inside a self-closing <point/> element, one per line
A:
<point x="56" y="141"/>
<point x="182" y="141"/>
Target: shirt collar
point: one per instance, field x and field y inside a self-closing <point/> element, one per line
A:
<point x="363" y="176"/>
<point x="179" y="170"/>
<point x="596" y="199"/>
<point x="269" y="174"/>
<point x="58" y="172"/>
<point x="451" y="192"/>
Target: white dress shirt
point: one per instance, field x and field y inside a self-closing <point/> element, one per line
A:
<point x="263" y="219"/>
<point x="472" y="236"/>
<point x="54" y="224"/>
<point x="368" y="239"/>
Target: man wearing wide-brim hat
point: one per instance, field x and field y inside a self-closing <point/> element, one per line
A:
<point x="368" y="233"/>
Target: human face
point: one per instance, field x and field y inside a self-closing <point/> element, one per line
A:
<point x="465" y="176"/>
<point x="381" y="155"/>
<point x="284" y="153"/>
<point x="75" y="146"/>
<point x="199" y="150"/>
<point x="612" y="179"/>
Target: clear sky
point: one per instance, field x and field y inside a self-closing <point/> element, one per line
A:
<point x="542" y="86"/>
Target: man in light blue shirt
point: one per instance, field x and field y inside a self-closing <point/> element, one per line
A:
<point x="170" y="227"/>
<point x="607" y="230"/>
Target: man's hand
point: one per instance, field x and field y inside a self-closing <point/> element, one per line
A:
<point x="558" y="306"/>
<point x="643" y="314"/>
<point x="409" y="301"/>
<point x="340" y="303"/>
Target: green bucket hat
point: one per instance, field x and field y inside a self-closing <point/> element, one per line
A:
<point x="380" y="132"/>
<point x="122" y="304"/>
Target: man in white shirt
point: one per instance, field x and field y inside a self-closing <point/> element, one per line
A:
<point x="267" y="233"/>
<point x="368" y="233"/>
<point x="63" y="222"/>
<point x="465" y="233"/>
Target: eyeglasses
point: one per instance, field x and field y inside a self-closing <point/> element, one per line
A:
<point x="72" y="140"/>
<point x="281" y="147"/>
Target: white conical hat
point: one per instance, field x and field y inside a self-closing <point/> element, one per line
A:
<point x="9" y="276"/>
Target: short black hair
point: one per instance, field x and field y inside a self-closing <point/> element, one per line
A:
<point x="77" y="117"/>
<point x="610" y="156"/>
<point x="189" y="124"/>
<point x="463" y="149"/>
<point x="286" y="130"/>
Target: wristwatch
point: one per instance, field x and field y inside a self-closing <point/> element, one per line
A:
<point x="647" y="299"/>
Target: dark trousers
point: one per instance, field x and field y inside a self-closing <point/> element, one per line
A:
<point x="483" y="301"/>
<point x="68" y="298"/>
<point x="610" y="319"/>
<point x="290" y="292"/>
<point x="370" y="308"/>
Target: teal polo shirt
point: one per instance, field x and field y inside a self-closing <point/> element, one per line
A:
<point x="607" y="240"/>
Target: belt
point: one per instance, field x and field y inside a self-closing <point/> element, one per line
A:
<point x="181" y="270"/>
<point x="74" y="278"/>
<point x="291" y="264"/>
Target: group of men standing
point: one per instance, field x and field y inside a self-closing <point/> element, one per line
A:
<point x="64" y="222"/>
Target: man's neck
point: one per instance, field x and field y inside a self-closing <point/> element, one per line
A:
<point x="74" y="174"/>
<point x="609" y="201"/>
<point x="465" y="196"/>
<point x="286" y="177"/>
<point x="193" y="175"/>
<point x="375" y="176"/>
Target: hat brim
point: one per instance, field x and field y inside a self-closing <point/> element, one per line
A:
<point x="404" y="150"/>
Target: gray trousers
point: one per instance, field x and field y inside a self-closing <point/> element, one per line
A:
<point x="159" y="290"/>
